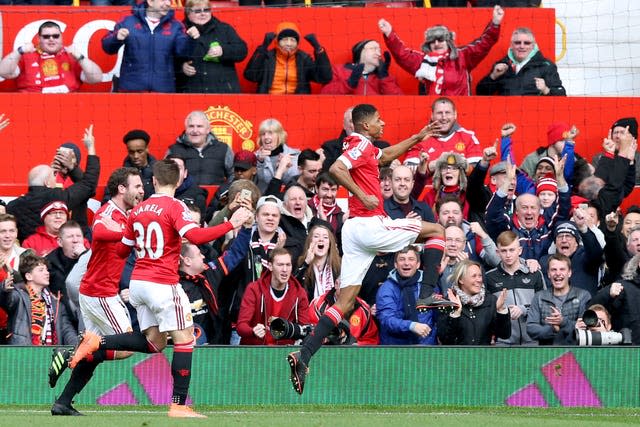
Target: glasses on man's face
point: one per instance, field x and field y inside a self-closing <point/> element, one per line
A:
<point x="203" y="10"/>
<point x="522" y="42"/>
<point x="50" y="36"/>
<point x="437" y="39"/>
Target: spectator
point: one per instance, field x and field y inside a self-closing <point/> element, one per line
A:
<point x="454" y="253"/>
<point x="58" y="69"/>
<point x="402" y="204"/>
<point x="385" y="181"/>
<point x="209" y="160"/>
<point x="577" y="242"/>
<point x="451" y="138"/>
<point x="524" y="71"/>
<point x="275" y="294"/>
<point x="324" y="206"/>
<point x="286" y="69"/>
<point x="138" y="156"/>
<point x="211" y="68"/>
<point x="244" y="167"/>
<point x="532" y="229"/>
<point x="201" y="282"/>
<point x="622" y="299"/>
<point x="61" y="260"/>
<point x="479" y="315"/>
<point x="42" y="191"/>
<point x="148" y="58"/>
<point x="45" y="238"/>
<point x="272" y="150"/>
<point x="521" y="284"/>
<point x="10" y="253"/>
<point x="65" y="164"/>
<point x="35" y="315"/>
<point x="367" y="74"/>
<point x="560" y="143"/>
<point x="554" y="312"/>
<point x="478" y="245"/>
<point x="332" y="148"/>
<point x="442" y="68"/>
<point x="309" y="166"/>
<point x="449" y="178"/>
<point x="296" y="220"/>
<point x="318" y="267"/>
<point x="188" y="191"/>
<point x="400" y="322"/>
<point x="612" y="142"/>
<point x="266" y="236"/>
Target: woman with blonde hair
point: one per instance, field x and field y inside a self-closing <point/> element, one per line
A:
<point x="274" y="155"/>
<point x="480" y="316"/>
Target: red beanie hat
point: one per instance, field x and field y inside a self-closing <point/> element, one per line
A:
<point x="547" y="183"/>
<point x="557" y="131"/>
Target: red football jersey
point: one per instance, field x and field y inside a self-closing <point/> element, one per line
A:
<point x="361" y="158"/>
<point x="461" y="141"/>
<point x="155" y="228"/>
<point x="105" y="267"/>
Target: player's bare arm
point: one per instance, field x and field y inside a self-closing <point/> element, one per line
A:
<point x="341" y="174"/>
<point x="391" y="153"/>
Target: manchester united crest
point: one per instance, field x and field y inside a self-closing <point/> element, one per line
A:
<point x="230" y="128"/>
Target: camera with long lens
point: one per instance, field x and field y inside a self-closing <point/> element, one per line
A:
<point x="282" y="329"/>
<point x="590" y="318"/>
<point x="589" y="338"/>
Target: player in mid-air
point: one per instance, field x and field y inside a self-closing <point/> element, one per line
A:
<point x="369" y="230"/>
<point x="155" y="229"/>
<point x="102" y="309"/>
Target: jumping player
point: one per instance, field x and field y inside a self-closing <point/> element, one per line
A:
<point x="103" y="311"/>
<point x="369" y="230"/>
<point x="155" y="228"/>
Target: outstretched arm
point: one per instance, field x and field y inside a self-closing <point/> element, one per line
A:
<point x="392" y="152"/>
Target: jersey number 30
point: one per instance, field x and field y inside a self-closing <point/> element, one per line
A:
<point x="145" y="238"/>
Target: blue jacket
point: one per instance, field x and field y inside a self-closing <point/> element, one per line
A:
<point x="148" y="59"/>
<point x="394" y="329"/>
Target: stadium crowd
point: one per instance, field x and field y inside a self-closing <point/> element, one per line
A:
<point x="509" y="256"/>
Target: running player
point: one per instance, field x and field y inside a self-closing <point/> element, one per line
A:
<point x="102" y="309"/>
<point x="155" y="229"/>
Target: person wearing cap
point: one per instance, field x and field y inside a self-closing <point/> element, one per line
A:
<point x="152" y="39"/>
<point x="449" y="178"/>
<point x="138" y="156"/>
<point x="209" y="160"/>
<point x="211" y="66"/>
<point x="452" y="138"/>
<point x="244" y="167"/>
<point x="45" y="238"/>
<point x="367" y="74"/>
<point x="547" y="191"/>
<point x="442" y="68"/>
<point x="524" y="71"/>
<point x="611" y="146"/>
<point x="576" y="241"/>
<point x="560" y="143"/>
<point x="285" y="69"/>
<point x="43" y="190"/>
<point x="49" y="67"/>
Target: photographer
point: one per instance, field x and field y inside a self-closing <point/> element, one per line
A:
<point x="275" y="294"/>
<point x="622" y="299"/>
<point x="594" y="328"/>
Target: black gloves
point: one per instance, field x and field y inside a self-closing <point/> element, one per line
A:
<point x="268" y="38"/>
<point x="355" y="76"/>
<point x="383" y="68"/>
<point x="313" y="41"/>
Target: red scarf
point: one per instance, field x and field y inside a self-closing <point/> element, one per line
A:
<point x="43" y="331"/>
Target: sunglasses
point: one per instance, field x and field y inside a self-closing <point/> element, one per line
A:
<point x="50" y="36"/>
<point x="203" y="10"/>
<point x="437" y="39"/>
<point x="524" y="42"/>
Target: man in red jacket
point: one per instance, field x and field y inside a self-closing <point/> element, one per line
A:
<point x="275" y="294"/>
